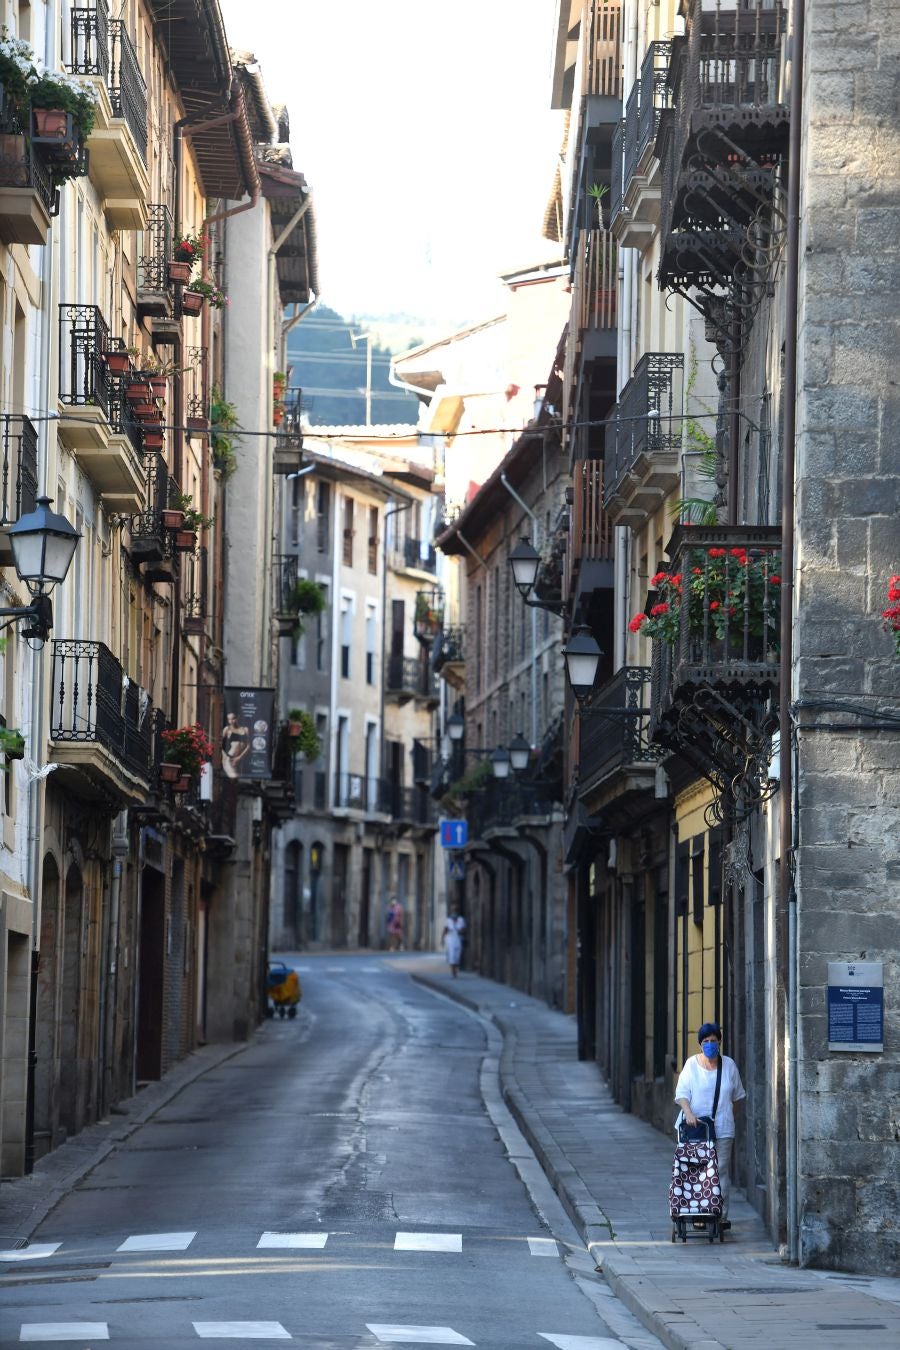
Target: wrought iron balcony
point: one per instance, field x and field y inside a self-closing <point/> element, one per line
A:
<point x="638" y="192"/>
<point x="83" y="338"/>
<point x="127" y="90"/>
<point x="500" y="806"/>
<point x="287" y="456"/>
<point x="406" y="678"/>
<point x="630" y="151"/>
<point x="614" y="732"/>
<point x="150" y="542"/>
<point x="19" y="468"/>
<point x="28" y="199"/>
<point x="155" y="251"/>
<point x="654" y="94"/>
<point x="448" y="650"/>
<point x="643" y="439"/>
<point x="725" y="136"/>
<point x="617" y="174"/>
<point x="286" y="575"/>
<point x="419" y="554"/>
<point x="428" y="615"/>
<point x="357" y="792"/>
<point x="196" y="572"/>
<point x="101" y="722"/>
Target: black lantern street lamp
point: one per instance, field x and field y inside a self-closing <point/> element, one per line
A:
<point x="582" y="656"/>
<point x="524" y="561"/>
<point x="456" y="727"/>
<point x="43" y="545"/>
<point x="499" y="761"/>
<point x="519" y="753"/>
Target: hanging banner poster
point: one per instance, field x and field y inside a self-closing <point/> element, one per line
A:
<point x="248" y="734"/>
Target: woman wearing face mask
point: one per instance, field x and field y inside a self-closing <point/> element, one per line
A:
<point x="695" y="1093"/>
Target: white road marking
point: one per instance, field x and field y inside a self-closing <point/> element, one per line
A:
<point x="32" y="1253"/>
<point x="303" y="970"/>
<point x="387" y="1331"/>
<point x="374" y="970"/>
<point x="157" y="1242"/>
<point x="581" y="1342"/>
<point x="543" y="1247"/>
<point x="64" y="1331"/>
<point x="250" y="1331"/>
<point x="428" y="1242"/>
<point x="293" y="1240"/>
<point x="336" y="970"/>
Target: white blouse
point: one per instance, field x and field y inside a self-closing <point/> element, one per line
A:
<point x="697" y="1086"/>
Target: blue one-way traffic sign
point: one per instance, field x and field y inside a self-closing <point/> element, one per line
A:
<point x="454" y="833"/>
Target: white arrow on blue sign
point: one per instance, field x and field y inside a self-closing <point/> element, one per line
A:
<point x="454" y="833"/>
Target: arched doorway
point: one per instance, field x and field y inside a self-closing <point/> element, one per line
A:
<point x="46" y="1030"/>
<point x="70" y="1000"/>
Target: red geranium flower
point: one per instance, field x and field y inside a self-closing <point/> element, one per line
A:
<point x="637" y="623"/>
<point x="714" y="604"/>
<point x="658" y="610"/>
<point x="774" y="580"/>
<point x="717" y="552"/>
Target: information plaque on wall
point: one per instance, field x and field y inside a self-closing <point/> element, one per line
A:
<point x="856" y="1005"/>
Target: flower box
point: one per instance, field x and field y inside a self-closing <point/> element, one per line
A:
<point x="183" y="784"/>
<point x="171" y="519"/>
<point x="179" y="271"/>
<point x="192" y="302"/>
<point x="169" y="772"/>
<point x="52" y="124"/>
<point x="197" y="425"/>
<point x="138" y="391"/>
<point x="143" y="411"/>
<point x="192" y="625"/>
<point x="117" y="363"/>
<point x="153" y="440"/>
<point x="160" y="385"/>
<point x="185" y="540"/>
<point x="14" y="169"/>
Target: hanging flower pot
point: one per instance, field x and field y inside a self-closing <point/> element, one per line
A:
<point x="117" y="363"/>
<point x="144" y="411"/>
<point x="179" y="271"/>
<point x="138" y="391"/>
<point x="159" y="384"/>
<point x="183" y="784"/>
<point x="169" y="772"/>
<point x="185" y="540"/>
<point x="192" y="625"/>
<point x="191" y="302"/>
<point x="277" y="416"/>
<point x="294" y="729"/>
<point x="153" y="440"/>
<point x="197" y="425"/>
<point x="171" y="519"/>
<point x="52" y="124"/>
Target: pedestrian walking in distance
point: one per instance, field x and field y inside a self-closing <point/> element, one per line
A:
<point x="395" y="925"/>
<point x="695" y="1091"/>
<point x="453" y="939"/>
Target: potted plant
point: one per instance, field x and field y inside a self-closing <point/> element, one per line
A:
<point x="187" y="747"/>
<point x="305" y="597"/>
<point x="169" y="772"/>
<point x="890" y="617"/>
<point x="191" y="301"/>
<point x="12" y="743"/>
<point x="190" y="248"/>
<point x="223" y="420"/>
<point x="596" y="192"/>
<point x="197" y="426"/>
<point x="428" y="616"/>
<point x="172" y="516"/>
<point x="153" y="440"/>
<point x="302" y="734"/>
<point x="209" y="291"/>
<point x="185" y="541"/>
<point x="138" y="390"/>
<point x="117" y="362"/>
<point x="183" y="783"/>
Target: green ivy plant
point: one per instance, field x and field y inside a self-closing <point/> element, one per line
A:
<point x="306" y="742"/>
<point x="306" y="597"/>
<point x="223" y="420"/>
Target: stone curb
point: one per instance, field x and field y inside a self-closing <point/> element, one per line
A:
<point x="638" y="1293"/>
<point x="144" y="1107"/>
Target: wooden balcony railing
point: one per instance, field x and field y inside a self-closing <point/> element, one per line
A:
<point x="602" y="65"/>
<point x="595" y="279"/>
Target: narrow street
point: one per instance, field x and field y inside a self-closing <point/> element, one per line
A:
<point x="340" y="1183"/>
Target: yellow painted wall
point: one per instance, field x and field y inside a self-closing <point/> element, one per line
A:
<point x="705" y="956"/>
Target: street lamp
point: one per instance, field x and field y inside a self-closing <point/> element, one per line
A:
<point x="43" y="545"/>
<point x="582" y="656"/>
<point x="456" y="727"/>
<point x="519" y="753"/>
<point x="499" y="761"/>
<point x="524" y="561"/>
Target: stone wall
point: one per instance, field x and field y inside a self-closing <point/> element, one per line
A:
<point x="848" y="543"/>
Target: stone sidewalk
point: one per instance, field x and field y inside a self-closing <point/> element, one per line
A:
<point x="611" y="1172"/>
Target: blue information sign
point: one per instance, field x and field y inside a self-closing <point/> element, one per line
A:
<point x="454" y="833"/>
<point x="855" y="1005"/>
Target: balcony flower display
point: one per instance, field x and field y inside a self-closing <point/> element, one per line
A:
<point x="428" y="615"/>
<point x="733" y="594"/>
<point x="60" y="108"/>
<point x="189" y="748"/>
<point x="890" y="617"/>
<point x="190" y="247"/>
<point x="306" y="597"/>
<point x="303" y="735"/>
<point x="211" y="293"/>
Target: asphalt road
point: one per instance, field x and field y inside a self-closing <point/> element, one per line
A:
<point x="339" y="1184"/>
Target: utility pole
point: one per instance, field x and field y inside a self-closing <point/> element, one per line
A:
<point x="368" y="339"/>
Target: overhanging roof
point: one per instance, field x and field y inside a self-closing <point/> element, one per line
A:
<point x="192" y="35"/>
<point x="286" y="190"/>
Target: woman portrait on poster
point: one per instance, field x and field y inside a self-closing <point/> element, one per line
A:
<point x="235" y="745"/>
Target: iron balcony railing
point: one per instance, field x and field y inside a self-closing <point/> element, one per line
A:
<point x="630" y="141"/>
<point x="18" y="472"/>
<point x="284" y="566"/>
<point x="20" y="166"/>
<point x="418" y="553"/>
<point x="409" y="806"/>
<point x="502" y="804"/>
<point x="406" y="675"/>
<point x="146" y="526"/>
<point x="156" y="249"/>
<point x="614" y="727"/>
<point x="83" y="337"/>
<point x="648" y="417"/>
<point x="94" y="702"/>
<point x="357" y="792"/>
<point x="101" y="46"/>
<point x="725" y="607"/>
<point x="617" y="173"/>
<point x="449" y="646"/>
<point x="196" y="570"/>
<point x="654" y="97"/>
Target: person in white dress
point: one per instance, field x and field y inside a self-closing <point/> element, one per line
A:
<point x="695" y="1091"/>
<point x="453" y="939"/>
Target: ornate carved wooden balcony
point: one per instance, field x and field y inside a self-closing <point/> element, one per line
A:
<point x="102" y="725"/>
<point x="711" y="688"/>
<point x="596" y="267"/>
<point x="643" y="439"/>
<point x="102" y="49"/>
<point x="725" y="137"/>
<point x="601" y="71"/>
<point x="591" y="542"/>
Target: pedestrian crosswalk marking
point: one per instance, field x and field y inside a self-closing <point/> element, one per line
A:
<point x="64" y="1331"/>
<point x="293" y="1240"/>
<point x="249" y="1331"/>
<point x="542" y="1246"/>
<point x="32" y="1253"/>
<point x="157" y="1242"/>
<point x="388" y="1331"/>
<point x="428" y="1242"/>
<point x="581" y="1342"/>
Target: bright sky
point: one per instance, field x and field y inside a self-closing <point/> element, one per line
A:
<point x="424" y="130"/>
